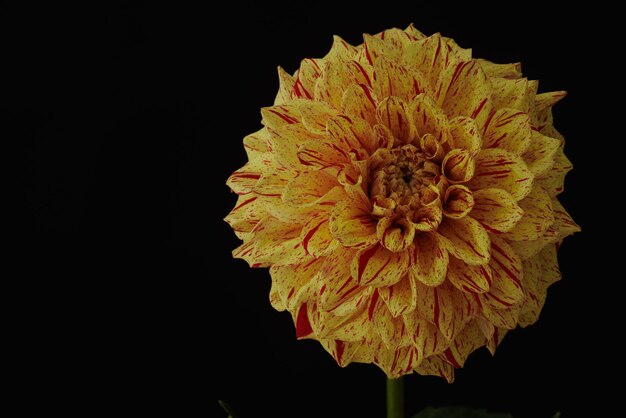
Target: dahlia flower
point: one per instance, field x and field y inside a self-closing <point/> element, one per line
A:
<point x="404" y="196"/>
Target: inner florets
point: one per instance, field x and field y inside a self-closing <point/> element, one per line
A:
<point x="401" y="174"/>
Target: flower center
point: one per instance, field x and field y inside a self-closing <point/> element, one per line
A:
<point x="400" y="174"/>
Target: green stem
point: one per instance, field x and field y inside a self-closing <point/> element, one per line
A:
<point x="395" y="398"/>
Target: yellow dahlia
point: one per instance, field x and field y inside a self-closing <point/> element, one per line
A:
<point x="403" y="195"/>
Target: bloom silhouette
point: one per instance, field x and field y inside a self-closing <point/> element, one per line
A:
<point x="403" y="195"/>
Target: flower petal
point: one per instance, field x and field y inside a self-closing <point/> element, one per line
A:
<point x="464" y="134"/>
<point x="352" y="225"/>
<point x="246" y="214"/>
<point x="510" y="71"/>
<point x="469" y="278"/>
<point x="458" y="166"/>
<point x="316" y="237"/>
<point x="497" y="168"/>
<point x="286" y="140"/>
<point x="469" y="93"/>
<point x="435" y="366"/>
<point x="277" y="242"/>
<point x="466" y="239"/>
<point x="537" y="217"/>
<point x="458" y="201"/>
<point x="389" y="329"/>
<point x="359" y="100"/>
<point x="313" y="114"/>
<point x="508" y="129"/>
<point x="322" y="154"/>
<point x="563" y="222"/>
<point x="506" y="284"/>
<point x="308" y="187"/>
<point x="401" y="297"/>
<point x="394" y="79"/>
<point x="287" y="281"/>
<point x="553" y="181"/>
<point x="539" y="156"/>
<point x="285" y="87"/>
<point x="336" y="78"/>
<point x="510" y="93"/>
<point x="428" y="118"/>
<point x="437" y="306"/>
<point x="377" y="266"/>
<point x="393" y="113"/>
<point x="428" y="260"/>
<point x="496" y="210"/>
<point x="430" y="56"/>
<point x="308" y="74"/>
<point x="339" y="292"/>
<point x="466" y="342"/>
<point x="352" y="135"/>
<point x="340" y="51"/>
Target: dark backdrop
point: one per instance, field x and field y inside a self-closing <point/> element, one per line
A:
<point x="132" y="119"/>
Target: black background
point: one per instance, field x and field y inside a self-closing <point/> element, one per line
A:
<point x="132" y="118"/>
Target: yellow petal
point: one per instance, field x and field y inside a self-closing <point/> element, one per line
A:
<point x="464" y="134"/>
<point x="497" y="168"/>
<point x="510" y="71"/>
<point x="377" y="266"/>
<point x="286" y="140"/>
<point x="466" y="239"/>
<point x="437" y="306"/>
<point x="388" y="328"/>
<point x="308" y="74"/>
<point x="430" y="56"/>
<point x="563" y="222"/>
<point x="469" y="93"/>
<point x="255" y="144"/>
<point x="401" y="297"/>
<point x="428" y="118"/>
<point x="508" y="129"/>
<point x="496" y="210"/>
<point x="352" y="135"/>
<point x="285" y="87"/>
<point x="246" y="214"/>
<point x="510" y="93"/>
<point x="458" y="201"/>
<point x="393" y="79"/>
<point x="395" y="234"/>
<point x="319" y="154"/>
<point x="539" y="156"/>
<point x="537" y="217"/>
<point x="428" y="260"/>
<point x="287" y="281"/>
<point x="340" y="51"/>
<point x="277" y="242"/>
<point x="458" y="166"/>
<point x="469" y="278"/>
<point x="506" y="284"/>
<point x="393" y="113"/>
<point x="374" y="47"/>
<point x="414" y="33"/>
<point x="308" y="187"/>
<point x="496" y="339"/>
<point x="435" y="366"/>
<point x="316" y="237"/>
<point x="352" y="226"/>
<point x="468" y="340"/>
<point x="426" y="338"/>
<point x="553" y="181"/>
<point x="359" y="100"/>
<point x="336" y="78"/>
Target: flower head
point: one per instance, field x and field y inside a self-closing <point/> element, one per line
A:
<point x="403" y="195"/>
